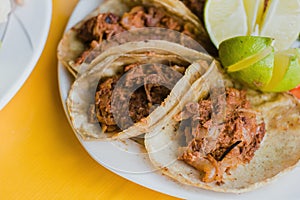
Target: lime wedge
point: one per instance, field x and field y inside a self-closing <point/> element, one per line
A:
<point x="248" y="59"/>
<point x="236" y="49"/>
<point x="225" y="19"/>
<point x="251" y="60"/>
<point x="281" y="21"/>
<point x="286" y="72"/>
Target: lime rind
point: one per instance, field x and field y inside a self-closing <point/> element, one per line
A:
<point x="244" y="63"/>
<point x="281" y="64"/>
<point x="263" y="73"/>
<point x="290" y="62"/>
<point x="250" y="57"/>
<point x="236" y="49"/>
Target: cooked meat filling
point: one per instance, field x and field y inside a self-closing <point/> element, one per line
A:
<point x="144" y="92"/>
<point x="140" y="17"/>
<point x="99" y="28"/>
<point x="196" y="6"/>
<point x="239" y="137"/>
<point x="106" y="25"/>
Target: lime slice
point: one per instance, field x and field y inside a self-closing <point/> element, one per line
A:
<point x="254" y="10"/>
<point x="236" y="49"/>
<point x="286" y="72"/>
<point x="281" y="21"/>
<point x="251" y="58"/>
<point x="252" y="61"/>
<point x="225" y="19"/>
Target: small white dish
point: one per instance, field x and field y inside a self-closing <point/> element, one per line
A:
<point x="23" y="38"/>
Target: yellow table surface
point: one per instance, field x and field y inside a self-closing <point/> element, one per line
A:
<point x="40" y="157"/>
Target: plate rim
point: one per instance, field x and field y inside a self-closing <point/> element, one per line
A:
<point x="37" y="52"/>
<point x="189" y="189"/>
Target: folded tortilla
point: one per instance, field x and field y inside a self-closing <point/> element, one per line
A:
<point x="82" y="93"/>
<point x="278" y="153"/>
<point x="71" y="47"/>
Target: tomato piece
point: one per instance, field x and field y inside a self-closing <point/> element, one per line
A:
<point x="296" y="92"/>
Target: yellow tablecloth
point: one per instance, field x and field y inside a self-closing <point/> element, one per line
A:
<point x="40" y="157"/>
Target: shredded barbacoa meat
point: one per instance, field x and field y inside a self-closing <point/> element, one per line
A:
<point x="96" y="30"/>
<point x="106" y="25"/>
<point x="142" y="101"/>
<point x="196" y="6"/>
<point x="239" y="138"/>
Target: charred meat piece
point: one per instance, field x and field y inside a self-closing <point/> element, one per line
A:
<point x="240" y="136"/>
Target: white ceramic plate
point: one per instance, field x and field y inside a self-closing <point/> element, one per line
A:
<point x="23" y="38"/>
<point x="129" y="160"/>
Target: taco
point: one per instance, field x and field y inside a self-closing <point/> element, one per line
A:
<point x="115" y="97"/>
<point x="230" y="141"/>
<point x="115" y="16"/>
